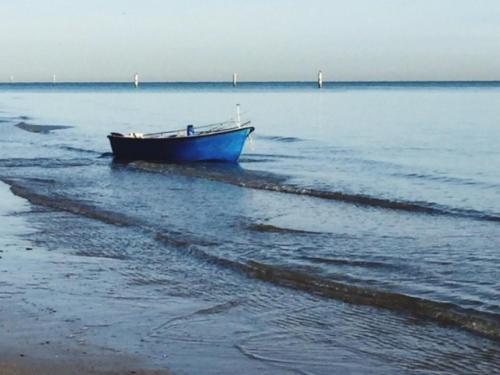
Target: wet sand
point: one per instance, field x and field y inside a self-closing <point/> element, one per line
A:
<point x="23" y="353"/>
<point x="76" y="365"/>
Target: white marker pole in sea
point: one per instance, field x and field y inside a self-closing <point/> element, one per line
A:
<point x="54" y="78"/>
<point x="235" y="79"/>
<point x="320" y="79"/>
<point x="136" y="80"/>
<point x="11" y="79"/>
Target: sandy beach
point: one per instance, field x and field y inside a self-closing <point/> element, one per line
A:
<point x="76" y="365"/>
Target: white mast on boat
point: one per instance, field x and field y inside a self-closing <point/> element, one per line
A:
<point x="136" y="79"/>
<point x="235" y="79"/>
<point x="238" y="115"/>
<point x="320" y="79"/>
<point x="53" y="78"/>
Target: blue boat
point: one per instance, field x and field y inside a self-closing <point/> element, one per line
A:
<point x="217" y="143"/>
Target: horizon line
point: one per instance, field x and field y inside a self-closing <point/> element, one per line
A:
<point x="251" y="82"/>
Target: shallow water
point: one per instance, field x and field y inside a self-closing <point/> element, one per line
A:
<point x="361" y="222"/>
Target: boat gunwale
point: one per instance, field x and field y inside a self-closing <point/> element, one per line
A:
<point x="185" y="137"/>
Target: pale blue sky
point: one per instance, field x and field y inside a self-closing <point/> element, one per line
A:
<point x="206" y="40"/>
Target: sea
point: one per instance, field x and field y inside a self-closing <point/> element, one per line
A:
<point x="358" y="234"/>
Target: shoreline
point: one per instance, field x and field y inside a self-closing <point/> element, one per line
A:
<point x="34" y="341"/>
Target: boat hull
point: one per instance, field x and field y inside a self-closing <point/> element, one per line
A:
<point x="218" y="146"/>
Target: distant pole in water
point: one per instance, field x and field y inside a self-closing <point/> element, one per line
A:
<point x="136" y="80"/>
<point x="320" y="79"/>
<point x="238" y="115"/>
<point x="11" y="80"/>
<point x="235" y="79"/>
<point x="54" y="78"/>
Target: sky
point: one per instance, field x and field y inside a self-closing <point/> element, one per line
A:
<point x="261" y="40"/>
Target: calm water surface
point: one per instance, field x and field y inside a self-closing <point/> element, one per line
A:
<point x="358" y="233"/>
